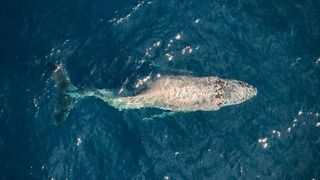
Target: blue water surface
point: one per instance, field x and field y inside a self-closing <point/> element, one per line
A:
<point x="112" y="44"/>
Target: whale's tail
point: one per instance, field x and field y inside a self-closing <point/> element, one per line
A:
<point x="66" y="93"/>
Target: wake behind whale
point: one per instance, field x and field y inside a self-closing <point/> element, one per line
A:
<point x="173" y="93"/>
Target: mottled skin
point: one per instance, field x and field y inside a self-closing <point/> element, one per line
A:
<point x="187" y="93"/>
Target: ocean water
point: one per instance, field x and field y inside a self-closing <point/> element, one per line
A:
<point x="273" y="45"/>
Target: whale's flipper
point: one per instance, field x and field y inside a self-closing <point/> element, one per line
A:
<point x="162" y="115"/>
<point x="67" y="93"/>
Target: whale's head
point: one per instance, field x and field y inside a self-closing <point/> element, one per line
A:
<point x="237" y="92"/>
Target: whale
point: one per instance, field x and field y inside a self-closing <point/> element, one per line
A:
<point x="177" y="93"/>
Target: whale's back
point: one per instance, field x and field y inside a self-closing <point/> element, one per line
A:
<point x="187" y="93"/>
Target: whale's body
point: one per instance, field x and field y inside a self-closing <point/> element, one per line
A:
<point x="174" y="93"/>
<point x="187" y="93"/>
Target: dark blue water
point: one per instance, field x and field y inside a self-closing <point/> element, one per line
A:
<point x="273" y="45"/>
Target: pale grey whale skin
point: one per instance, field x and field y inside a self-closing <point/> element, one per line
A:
<point x="174" y="93"/>
<point x="184" y="93"/>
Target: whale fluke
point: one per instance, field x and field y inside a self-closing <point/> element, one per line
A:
<point x="68" y="94"/>
<point x="63" y="86"/>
